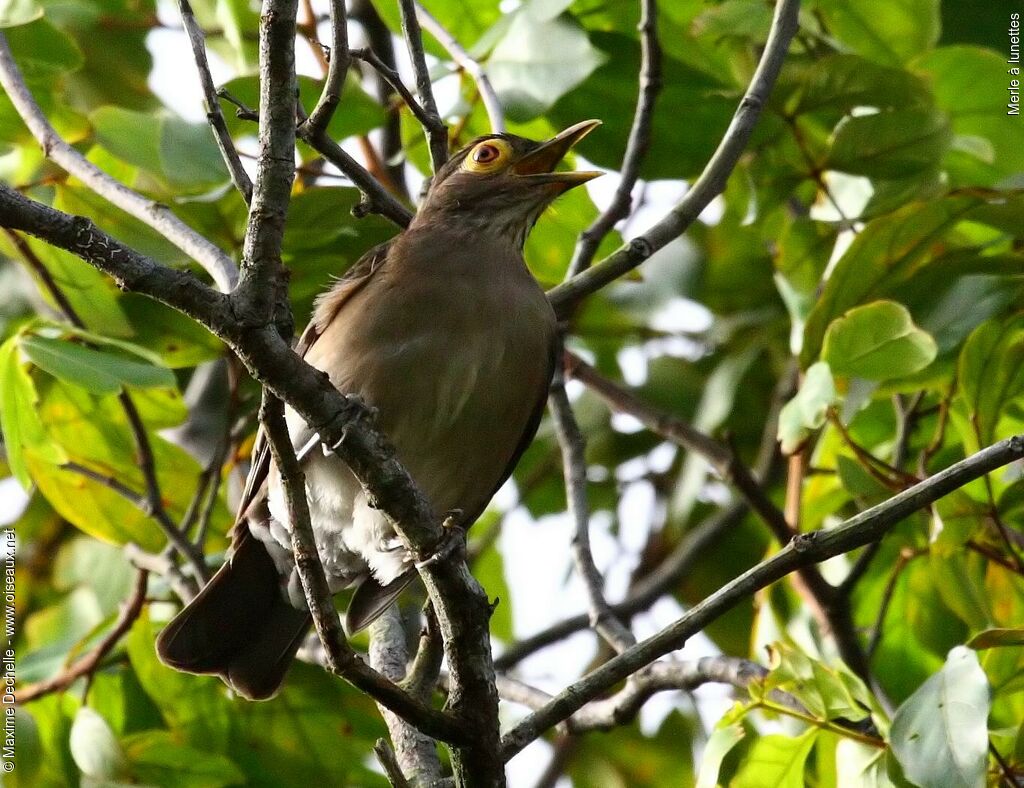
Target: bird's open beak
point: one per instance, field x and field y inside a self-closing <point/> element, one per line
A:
<point x="538" y="165"/>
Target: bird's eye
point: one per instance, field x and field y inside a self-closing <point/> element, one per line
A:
<point x="485" y="154"/>
<point x="488" y="156"/>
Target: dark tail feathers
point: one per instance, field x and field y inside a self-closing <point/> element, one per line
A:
<point x="239" y="627"/>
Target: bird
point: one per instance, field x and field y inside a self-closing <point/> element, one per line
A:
<point x="446" y="334"/>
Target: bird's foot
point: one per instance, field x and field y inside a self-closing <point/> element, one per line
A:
<point x="453" y="539"/>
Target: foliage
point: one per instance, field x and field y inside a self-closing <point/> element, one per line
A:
<point x="871" y="236"/>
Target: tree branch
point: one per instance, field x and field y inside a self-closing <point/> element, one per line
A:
<point x="415" y="754"/>
<point x="217" y="264"/>
<point x="495" y="112"/>
<point x="436" y="131"/>
<point x="88" y="664"/>
<point x="636" y="146"/>
<point x="239" y="177"/>
<point x="376" y="198"/>
<point x="340" y="658"/>
<point x="574" y="466"/>
<point x="261" y="283"/>
<point x="337" y="70"/>
<point x="711" y="181"/>
<point x="803" y="550"/>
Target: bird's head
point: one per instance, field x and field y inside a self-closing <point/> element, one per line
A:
<point x="502" y="183"/>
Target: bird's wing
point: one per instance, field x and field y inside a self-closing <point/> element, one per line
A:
<point x="326" y="307"/>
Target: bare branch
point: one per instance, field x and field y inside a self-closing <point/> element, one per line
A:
<point x="337" y="69"/>
<point x="389" y="763"/>
<point x="88" y="664"/>
<point x="414" y="753"/>
<point x="340" y="658"/>
<point x="144" y="504"/>
<point x="669" y="573"/>
<point x="622" y="707"/>
<point x="217" y="264"/>
<point x="376" y="198"/>
<point x="239" y="177"/>
<point x="803" y="550"/>
<point x="711" y="181"/>
<point x="261" y="283"/>
<point x="495" y="112"/>
<point x="636" y="146"/>
<point x="436" y="131"/>
<point x="391" y="76"/>
<point x="574" y="466"/>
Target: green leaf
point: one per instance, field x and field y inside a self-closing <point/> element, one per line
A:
<point x="42" y="51"/>
<point x="94" y="747"/>
<point x="94" y="370"/>
<point x="997" y="638"/>
<point x="939" y="734"/>
<point x="158" y="758"/>
<point x="720" y="743"/>
<point x="357" y="113"/>
<point x="23" y="430"/>
<point x="537" y="62"/>
<point x="19" y="12"/>
<point x="969" y="84"/>
<point x="886" y="31"/>
<point x="890" y="144"/>
<point x="610" y="92"/>
<point x="991" y="373"/>
<point x="776" y="762"/>
<point x="845" y="81"/>
<point x="807" y="410"/>
<point x="825" y="692"/>
<point x="877" y="341"/>
<point x="883" y="256"/>
<point x="182" y="154"/>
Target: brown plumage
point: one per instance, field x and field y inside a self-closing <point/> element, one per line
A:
<point x="445" y="332"/>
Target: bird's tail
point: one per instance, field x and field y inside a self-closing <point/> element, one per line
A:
<point x="239" y="627"/>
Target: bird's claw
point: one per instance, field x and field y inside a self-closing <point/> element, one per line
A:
<point x="453" y="539"/>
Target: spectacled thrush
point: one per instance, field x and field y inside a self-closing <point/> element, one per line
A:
<point x="444" y="331"/>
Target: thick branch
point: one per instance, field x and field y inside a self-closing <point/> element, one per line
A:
<point x="340" y="658"/>
<point x="803" y="550"/>
<point x="710" y="183"/>
<point x="636" y="146"/>
<point x="416" y="754"/>
<point x="261" y="284"/>
<point x="217" y="264"/>
<point x="196" y="36"/>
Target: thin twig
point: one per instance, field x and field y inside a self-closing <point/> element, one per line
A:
<point x="217" y="264"/>
<point x="376" y="198"/>
<point x="574" y="465"/>
<point x="711" y="181"/>
<point x="391" y="76"/>
<point x="88" y="664"/>
<point x="143" y="503"/>
<point x="636" y="146"/>
<point x="337" y="70"/>
<point x="389" y="763"/>
<point x="465" y="61"/>
<point x="437" y="133"/>
<point x="239" y="177"/>
<point x="803" y="550"/>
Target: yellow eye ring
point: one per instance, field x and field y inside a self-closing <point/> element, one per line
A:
<point x="487" y="156"/>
